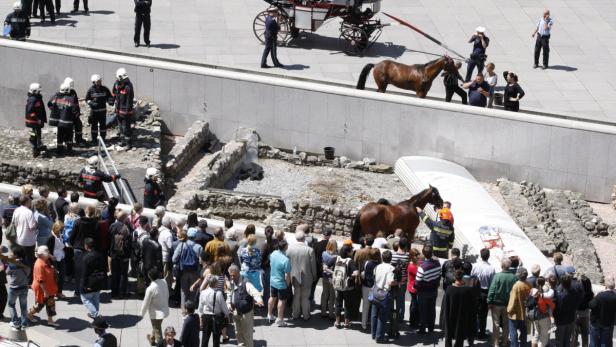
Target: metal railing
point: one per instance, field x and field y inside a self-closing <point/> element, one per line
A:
<point x="120" y="188"/>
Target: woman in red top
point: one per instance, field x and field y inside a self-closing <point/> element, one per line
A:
<point x="44" y="286"/>
<point x="410" y="287"/>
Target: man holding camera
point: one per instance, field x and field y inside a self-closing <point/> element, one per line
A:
<point x="478" y="57"/>
<point x="543" y="31"/>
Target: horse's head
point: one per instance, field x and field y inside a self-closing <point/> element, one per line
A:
<point x="435" y="197"/>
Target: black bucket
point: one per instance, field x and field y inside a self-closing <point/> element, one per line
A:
<point x="329" y="153"/>
<point x="498" y="99"/>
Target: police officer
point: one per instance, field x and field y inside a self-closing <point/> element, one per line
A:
<point x="63" y="111"/>
<point x="97" y="98"/>
<point x="91" y="178"/>
<point x="79" y="141"/>
<point x="441" y="235"/>
<point x="271" y="39"/>
<point x="86" y="11"/>
<point x="478" y="56"/>
<point x="123" y="93"/>
<point x="142" y="17"/>
<point x="152" y="194"/>
<point x="450" y="80"/>
<point x="36" y="117"/>
<point x="19" y="22"/>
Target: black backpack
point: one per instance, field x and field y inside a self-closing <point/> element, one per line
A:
<point x="532" y="308"/>
<point x="120" y="240"/>
<point x="243" y="301"/>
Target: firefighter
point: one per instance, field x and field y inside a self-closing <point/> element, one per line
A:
<point x="63" y="111"/>
<point x="36" y="117"/>
<point x="97" y="98"/>
<point x="124" y="94"/>
<point x="152" y="194"/>
<point x="442" y="233"/>
<point x="79" y="141"/>
<point x="19" y="22"/>
<point x="91" y="178"/>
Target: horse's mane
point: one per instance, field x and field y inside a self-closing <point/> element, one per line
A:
<point x="423" y="66"/>
<point x="417" y="196"/>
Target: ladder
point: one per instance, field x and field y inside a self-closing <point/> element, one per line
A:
<point x="120" y="188"/>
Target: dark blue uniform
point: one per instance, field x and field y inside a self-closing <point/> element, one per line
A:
<point x="478" y="56"/>
<point x="152" y="194"/>
<point x="92" y="181"/>
<point x="142" y="18"/>
<point x="271" y="42"/>
<point x="63" y="112"/>
<point x="20" y="25"/>
<point x="441" y="235"/>
<point x="36" y="116"/>
<point x="124" y="94"/>
<point x="98" y="97"/>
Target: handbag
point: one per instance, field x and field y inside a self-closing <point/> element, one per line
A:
<point x="219" y="320"/>
<point x="377" y="295"/>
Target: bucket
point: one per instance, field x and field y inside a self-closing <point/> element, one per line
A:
<point x="329" y="152"/>
<point x="498" y="99"/>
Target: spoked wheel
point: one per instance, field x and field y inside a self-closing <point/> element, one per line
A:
<point x="284" y="34"/>
<point x="353" y="40"/>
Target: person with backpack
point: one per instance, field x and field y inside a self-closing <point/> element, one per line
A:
<point x="328" y="294"/>
<point x="241" y="298"/>
<point x="213" y="311"/>
<point x="344" y="280"/>
<point x="156" y="304"/>
<point x="539" y="308"/>
<point x="567" y="299"/>
<point x="120" y="252"/>
<point x="516" y="311"/>
<point x="400" y="261"/>
<point x="186" y="260"/>
<point x="93" y="278"/>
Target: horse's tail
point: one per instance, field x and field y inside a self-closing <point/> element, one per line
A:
<point x="355" y="234"/>
<point x="361" y="83"/>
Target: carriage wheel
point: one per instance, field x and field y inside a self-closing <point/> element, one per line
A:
<point x="353" y="40"/>
<point x="258" y="26"/>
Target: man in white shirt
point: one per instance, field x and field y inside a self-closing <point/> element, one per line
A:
<point x="384" y="280"/>
<point x="237" y="301"/>
<point x="26" y="228"/>
<point x="165" y="239"/>
<point x="156" y="303"/>
<point x="485" y="273"/>
<point x="543" y="30"/>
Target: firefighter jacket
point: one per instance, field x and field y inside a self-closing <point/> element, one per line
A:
<point x="63" y="110"/>
<point x="152" y="194"/>
<point x="20" y="25"/>
<point x="36" y="114"/>
<point x="441" y="235"/>
<point x="98" y="97"/>
<point x="124" y="94"/>
<point x="91" y="180"/>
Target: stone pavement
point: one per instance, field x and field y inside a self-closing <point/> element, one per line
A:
<point x="583" y="46"/>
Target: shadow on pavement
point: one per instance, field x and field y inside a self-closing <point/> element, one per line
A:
<point x="335" y="44"/>
<point x="72" y="324"/>
<point x="296" y="67"/>
<point x="123" y="321"/>
<point x="562" y="68"/>
<point x="165" y="45"/>
<point x="103" y="12"/>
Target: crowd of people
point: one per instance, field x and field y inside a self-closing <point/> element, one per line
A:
<point x="221" y="276"/>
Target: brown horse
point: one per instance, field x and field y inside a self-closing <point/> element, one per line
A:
<point x="416" y="77"/>
<point x="374" y="216"/>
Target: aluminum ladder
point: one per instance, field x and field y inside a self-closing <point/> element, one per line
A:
<point x="120" y="188"/>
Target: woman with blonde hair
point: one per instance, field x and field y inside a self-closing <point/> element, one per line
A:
<point x="55" y="244"/>
<point x="250" y="258"/>
<point x="328" y="295"/>
<point x="44" y="286"/>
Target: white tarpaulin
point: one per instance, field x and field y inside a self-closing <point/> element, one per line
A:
<point x="479" y="220"/>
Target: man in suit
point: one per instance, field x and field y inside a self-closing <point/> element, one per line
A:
<point x="271" y="39"/>
<point x="303" y="273"/>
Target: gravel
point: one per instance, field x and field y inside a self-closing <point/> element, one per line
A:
<point x="322" y="185"/>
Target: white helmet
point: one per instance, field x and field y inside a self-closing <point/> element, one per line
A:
<point x="95" y="78"/>
<point x="121" y="74"/>
<point x="65" y="88"/>
<point x="17" y="6"/>
<point x="93" y="160"/>
<point x="35" y="88"/>
<point x="151" y="172"/>
<point x="70" y="82"/>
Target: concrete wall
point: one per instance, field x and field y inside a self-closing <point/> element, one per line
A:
<point x="552" y="151"/>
